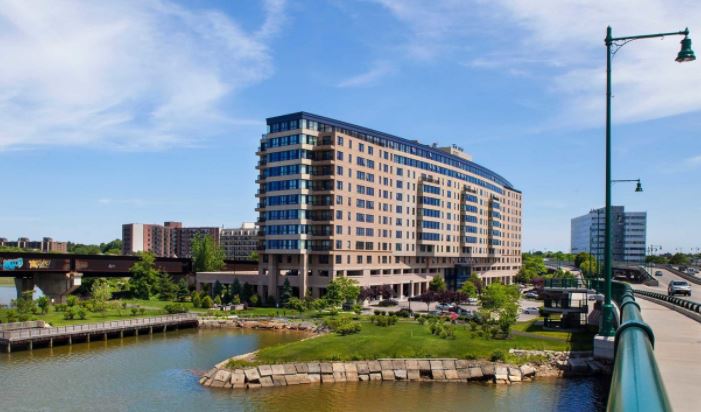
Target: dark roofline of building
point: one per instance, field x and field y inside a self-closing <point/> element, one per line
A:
<point x="365" y="130"/>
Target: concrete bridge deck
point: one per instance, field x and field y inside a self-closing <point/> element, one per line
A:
<point x="678" y="353"/>
<point x="27" y="337"/>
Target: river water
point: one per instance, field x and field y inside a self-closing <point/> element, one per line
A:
<point x="159" y="372"/>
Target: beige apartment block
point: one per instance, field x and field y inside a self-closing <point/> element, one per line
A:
<point x="336" y="199"/>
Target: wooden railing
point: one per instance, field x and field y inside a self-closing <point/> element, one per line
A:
<point x="103" y="327"/>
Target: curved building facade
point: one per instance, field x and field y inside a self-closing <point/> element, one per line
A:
<point x="337" y="199"/>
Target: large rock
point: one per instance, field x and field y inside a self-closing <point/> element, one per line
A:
<point x="326" y="367"/>
<point x="238" y="377"/>
<point x="362" y="368"/>
<point x="464" y="374"/>
<point x="387" y="375"/>
<point x="412" y="364"/>
<point x="301" y="368"/>
<point x="448" y="364"/>
<point x="265" y="370"/>
<point x="386" y="364"/>
<point x="451" y="374"/>
<point x="352" y="376"/>
<point x="313" y="367"/>
<point x="339" y="376"/>
<point x="438" y="374"/>
<point x="374" y="366"/>
<point x="266" y="381"/>
<point x="350" y="367"/>
<point x="527" y="370"/>
<point x="413" y="375"/>
<point x="252" y="375"/>
<point x="327" y="378"/>
<point x="476" y="373"/>
<point x="222" y="375"/>
<point x="364" y="377"/>
<point x="400" y="374"/>
<point x="398" y="364"/>
<point x="279" y="380"/>
<point x="290" y="369"/>
<point x="292" y="379"/>
<point x="461" y="364"/>
<point x="436" y="364"/>
<point x="314" y="378"/>
<point x="278" y="369"/>
<point x="501" y="374"/>
<point x="424" y="365"/>
<point x="375" y="376"/>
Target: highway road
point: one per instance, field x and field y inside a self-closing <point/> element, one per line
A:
<point x="664" y="280"/>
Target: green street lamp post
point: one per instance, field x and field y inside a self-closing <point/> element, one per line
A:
<point x="686" y="54"/>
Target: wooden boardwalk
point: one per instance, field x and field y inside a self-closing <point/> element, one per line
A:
<point x="26" y="338"/>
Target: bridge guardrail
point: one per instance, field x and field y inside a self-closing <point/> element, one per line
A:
<point x="636" y="383"/>
<point x="683" y="303"/>
<point x="93" y="327"/>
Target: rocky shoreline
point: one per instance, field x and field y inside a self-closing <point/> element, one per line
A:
<point x="261" y="323"/>
<point x="560" y="364"/>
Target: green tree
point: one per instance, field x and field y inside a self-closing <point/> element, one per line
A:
<point x="296" y="304"/>
<point x="100" y="293"/>
<point x="581" y="258"/>
<point x="144" y="276"/>
<point x="236" y="287"/>
<point x="679" y="259"/>
<point x="207" y="256"/>
<point x="246" y="292"/>
<point x="196" y="299"/>
<point x="475" y="280"/>
<point x="113" y="247"/>
<point x="254" y="256"/>
<point x="342" y="290"/>
<point x="218" y="288"/>
<point x="589" y="266"/>
<point x="25" y="303"/>
<point x="469" y="289"/>
<point x="207" y="302"/>
<point x="71" y="301"/>
<point x="657" y="259"/>
<point x="81" y="249"/>
<point x="501" y="301"/>
<point x="532" y="266"/>
<point x="43" y="303"/>
<point x="286" y="294"/>
<point x="437" y="284"/>
<point x="166" y="288"/>
<point x="183" y="290"/>
<point x="217" y="300"/>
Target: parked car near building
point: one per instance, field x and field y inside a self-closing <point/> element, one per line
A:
<point x="679" y="287"/>
<point x="658" y="273"/>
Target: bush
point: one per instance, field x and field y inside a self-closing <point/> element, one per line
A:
<point x="206" y="302"/>
<point x="497" y="356"/>
<point x="134" y="311"/>
<point x="357" y="309"/>
<point x="82" y="313"/>
<point x="388" y="302"/>
<point x="253" y="300"/>
<point x="71" y="301"/>
<point x="348" y="328"/>
<point x="175" y="308"/>
<point x="217" y="300"/>
<point x="61" y="307"/>
<point x="404" y="313"/>
<point x="378" y="312"/>
<point x="12" y="316"/>
<point x="69" y="314"/>
<point x="421" y="319"/>
<point x="383" y="321"/>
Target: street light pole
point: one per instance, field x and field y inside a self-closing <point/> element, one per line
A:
<point x="607" y="327"/>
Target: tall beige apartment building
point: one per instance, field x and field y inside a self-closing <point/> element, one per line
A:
<point x="337" y="199"/>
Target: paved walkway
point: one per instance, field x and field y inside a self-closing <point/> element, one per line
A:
<point x="678" y="354"/>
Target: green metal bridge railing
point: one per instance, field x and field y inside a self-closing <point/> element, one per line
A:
<point x="636" y="383"/>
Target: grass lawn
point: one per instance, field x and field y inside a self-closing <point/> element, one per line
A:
<point x="7" y="281"/>
<point x="405" y="339"/>
<point x="578" y="340"/>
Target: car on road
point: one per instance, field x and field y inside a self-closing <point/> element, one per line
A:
<point x="658" y="273"/>
<point x="679" y="287"/>
<point x="531" y="311"/>
<point x="472" y="301"/>
<point x="444" y="306"/>
<point x="531" y="295"/>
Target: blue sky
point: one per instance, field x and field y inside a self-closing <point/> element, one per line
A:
<point x="145" y="111"/>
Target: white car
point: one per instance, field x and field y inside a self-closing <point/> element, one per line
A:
<point x="531" y="311"/>
<point x="472" y="301"/>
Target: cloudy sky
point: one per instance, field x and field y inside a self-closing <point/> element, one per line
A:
<point x="147" y="110"/>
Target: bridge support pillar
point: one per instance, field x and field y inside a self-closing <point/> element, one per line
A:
<point x="88" y="338"/>
<point x="273" y="274"/>
<point x="51" y="342"/>
<point x="57" y="286"/>
<point x="24" y="285"/>
<point x="9" y="347"/>
<point x="31" y="345"/>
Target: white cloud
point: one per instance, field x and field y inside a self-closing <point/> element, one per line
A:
<point x="566" y="38"/>
<point x="133" y="74"/>
<point x="376" y="72"/>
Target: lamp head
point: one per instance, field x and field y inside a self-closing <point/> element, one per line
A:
<point x="638" y="187"/>
<point x="686" y="54"/>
